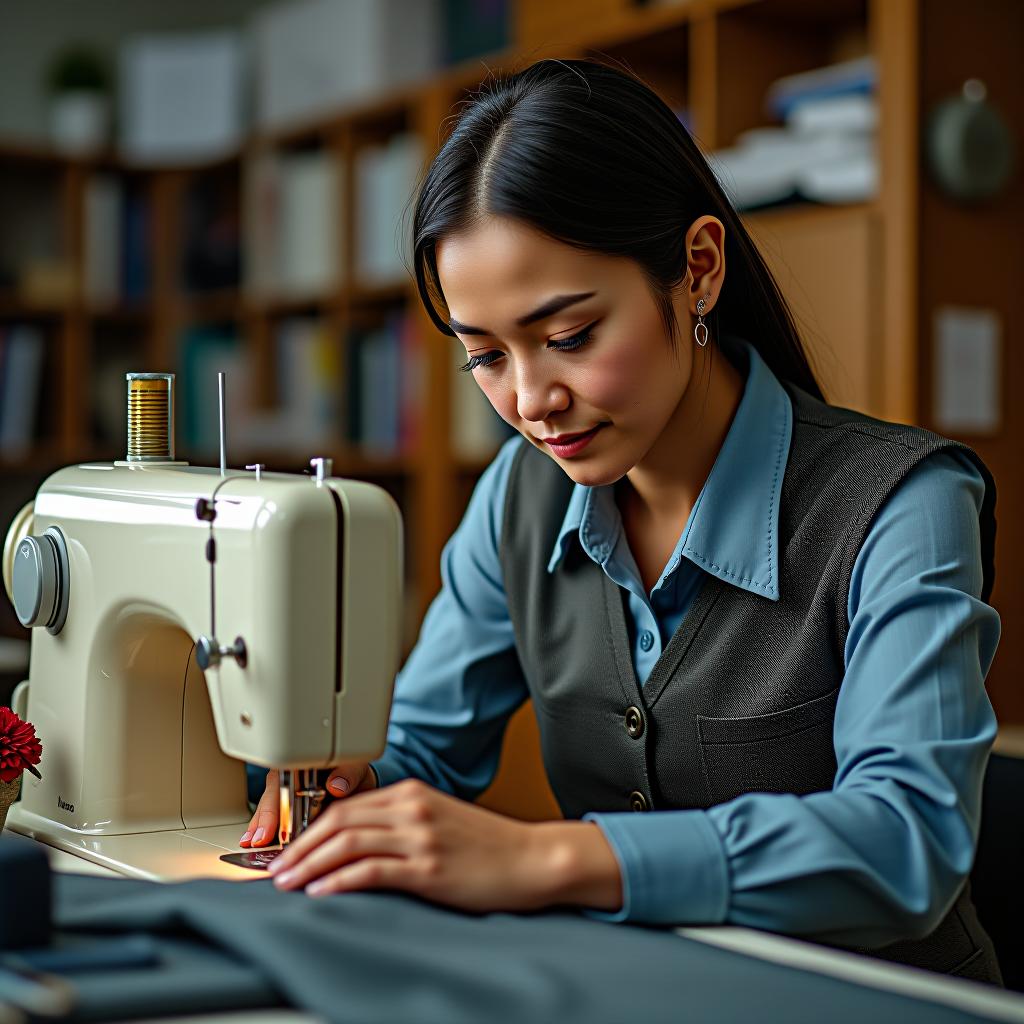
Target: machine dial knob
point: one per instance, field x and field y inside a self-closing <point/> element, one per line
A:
<point x="40" y="580"/>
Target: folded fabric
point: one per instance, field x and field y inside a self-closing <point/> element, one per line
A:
<point x="388" y="957"/>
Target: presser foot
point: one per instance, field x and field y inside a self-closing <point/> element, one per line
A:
<point x="255" y="860"/>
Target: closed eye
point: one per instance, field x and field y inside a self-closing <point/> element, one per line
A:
<point x="565" y="345"/>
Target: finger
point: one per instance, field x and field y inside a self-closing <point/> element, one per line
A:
<point x="266" y="827"/>
<point x="342" y="848"/>
<point x="265" y="816"/>
<point x="367" y="811"/>
<point x="346" y="779"/>
<point x="369" y="873"/>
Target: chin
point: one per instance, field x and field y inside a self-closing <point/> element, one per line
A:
<point x="591" y="474"/>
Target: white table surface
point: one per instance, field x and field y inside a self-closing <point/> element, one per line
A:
<point x="984" y="1000"/>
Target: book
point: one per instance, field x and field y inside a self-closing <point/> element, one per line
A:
<point x="205" y="351"/>
<point x="20" y="388"/>
<point x="309" y="225"/>
<point x="136" y="244"/>
<point x="413" y="382"/>
<point x="477" y="431"/>
<point x="211" y="242"/>
<point x="379" y="387"/>
<point x="293" y="225"/>
<point x="386" y="178"/>
<point x="103" y="237"/>
<point x="308" y="362"/>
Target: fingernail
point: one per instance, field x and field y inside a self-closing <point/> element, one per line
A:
<point x="274" y="866"/>
<point x="286" y="879"/>
<point x="246" y="837"/>
<point x="260" y="833"/>
<point x="339" y="785"/>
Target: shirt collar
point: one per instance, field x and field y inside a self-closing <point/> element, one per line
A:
<point x="732" y="531"/>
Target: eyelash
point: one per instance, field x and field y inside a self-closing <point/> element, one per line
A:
<point x="565" y="345"/>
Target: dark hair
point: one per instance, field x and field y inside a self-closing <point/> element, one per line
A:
<point x="590" y="156"/>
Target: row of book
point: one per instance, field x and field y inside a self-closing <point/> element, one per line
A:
<point x="22" y="361"/>
<point x="367" y="391"/>
<point x="117" y="240"/>
<point x="294" y="221"/>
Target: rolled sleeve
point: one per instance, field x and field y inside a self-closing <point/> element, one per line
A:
<point x="673" y="867"/>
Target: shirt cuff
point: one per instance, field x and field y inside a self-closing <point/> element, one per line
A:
<point x="674" y="868"/>
<point x="387" y="771"/>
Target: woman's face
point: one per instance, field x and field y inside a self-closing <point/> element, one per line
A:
<point x="600" y="365"/>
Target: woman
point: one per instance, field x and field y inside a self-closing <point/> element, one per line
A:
<point x="758" y="617"/>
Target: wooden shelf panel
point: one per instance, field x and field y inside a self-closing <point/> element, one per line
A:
<point x="14" y="308"/>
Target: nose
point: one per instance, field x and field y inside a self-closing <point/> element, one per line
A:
<point x="538" y="393"/>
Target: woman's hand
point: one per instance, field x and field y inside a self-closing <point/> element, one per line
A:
<point x="412" y="837"/>
<point x="347" y="778"/>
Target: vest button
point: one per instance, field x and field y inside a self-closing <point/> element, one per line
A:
<point x="637" y="801"/>
<point x="634" y="722"/>
<point x="646" y="640"/>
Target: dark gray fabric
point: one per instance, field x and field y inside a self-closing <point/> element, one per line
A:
<point x="376" y="958"/>
<point x="743" y="697"/>
<point x="192" y="977"/>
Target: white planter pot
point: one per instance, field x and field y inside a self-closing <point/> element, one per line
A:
<point x="79" y="121"/>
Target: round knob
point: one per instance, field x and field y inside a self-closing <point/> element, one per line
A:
<point x="209" y="651"/>
<point x="37" y="580"/>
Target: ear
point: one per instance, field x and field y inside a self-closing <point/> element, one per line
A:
<point x="705" y="262"/>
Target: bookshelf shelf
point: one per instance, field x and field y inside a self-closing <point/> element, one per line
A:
<point x="129" y="312"/>
<point x="13" y="308"/>
<point x="297" y="305"/>
<point x="378" y="295"/>
<point x="227" y="304"/>
<point x="860" y="277"/>
<point x="711" y="60"/>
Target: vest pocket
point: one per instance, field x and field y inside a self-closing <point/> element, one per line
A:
<point x="787" y="751"/>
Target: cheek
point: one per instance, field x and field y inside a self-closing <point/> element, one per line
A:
<point x="622" y="379"/>
<point x="499" y="395"/>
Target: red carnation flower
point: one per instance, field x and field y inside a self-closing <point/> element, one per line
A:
<point x="19" y="747"/>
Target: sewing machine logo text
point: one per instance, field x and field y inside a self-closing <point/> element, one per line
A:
<point x="65" y="807"/>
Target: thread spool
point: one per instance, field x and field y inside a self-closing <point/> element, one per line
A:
<point x="150" y="417"/>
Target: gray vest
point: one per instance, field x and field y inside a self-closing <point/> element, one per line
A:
<point x="743" y="697"/>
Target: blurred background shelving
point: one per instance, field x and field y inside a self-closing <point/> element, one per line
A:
<point x="283" y="257"/>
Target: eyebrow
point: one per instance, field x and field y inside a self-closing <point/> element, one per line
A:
<point x="550" y="308"/>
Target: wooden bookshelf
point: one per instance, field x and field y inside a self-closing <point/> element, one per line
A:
<point x="851" y="273"/>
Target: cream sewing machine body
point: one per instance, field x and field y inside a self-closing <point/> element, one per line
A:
<point x="143" y="751"/>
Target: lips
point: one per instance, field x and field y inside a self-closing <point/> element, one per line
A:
<point x="568" y="446"/>
<point x="568" y="438"/>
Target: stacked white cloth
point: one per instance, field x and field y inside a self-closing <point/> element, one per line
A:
<point x="825" y="151"/>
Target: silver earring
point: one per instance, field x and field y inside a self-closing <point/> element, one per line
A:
<point x="699" y="337"/>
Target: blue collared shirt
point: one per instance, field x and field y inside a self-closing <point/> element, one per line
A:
<point x="882" y="855"/>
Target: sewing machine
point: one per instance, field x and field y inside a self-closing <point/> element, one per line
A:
<point x="131" y="574"/>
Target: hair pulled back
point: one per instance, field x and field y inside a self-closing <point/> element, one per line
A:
<point x="590" y="156"/>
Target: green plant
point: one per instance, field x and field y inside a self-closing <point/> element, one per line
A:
<point x="78" y="68"/>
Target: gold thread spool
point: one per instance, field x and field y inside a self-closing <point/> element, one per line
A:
<point x="150" y="417"/>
